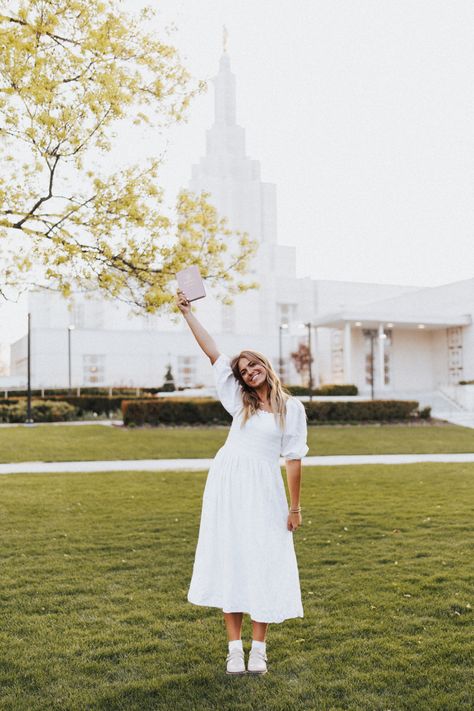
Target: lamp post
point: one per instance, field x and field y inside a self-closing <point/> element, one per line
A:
<point x="381" y="356"/>
<point x="70" y="328"/>
<point x="371" y="333"/>
<point x="29" y="418"/>
<point x="281" y="327"/>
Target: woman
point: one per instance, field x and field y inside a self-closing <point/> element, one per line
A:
<point x="245" y="560"/>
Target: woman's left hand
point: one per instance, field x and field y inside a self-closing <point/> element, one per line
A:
<point x="294" y="521"/>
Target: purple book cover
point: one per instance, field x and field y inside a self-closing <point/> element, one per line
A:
<point x="191" y="283"/>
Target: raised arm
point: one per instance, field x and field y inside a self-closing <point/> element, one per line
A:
<point x="204" y="339"/>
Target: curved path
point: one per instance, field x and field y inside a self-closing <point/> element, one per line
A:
<point x="156" y="465"/>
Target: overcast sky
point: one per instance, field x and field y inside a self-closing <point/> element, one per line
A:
<point x="361" y="112"/>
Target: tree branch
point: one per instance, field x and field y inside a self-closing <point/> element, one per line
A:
<point x="68" y="215"/>
<point x="18" y="225"/>
<point x="56" y="38"/>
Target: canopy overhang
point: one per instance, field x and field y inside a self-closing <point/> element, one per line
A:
<point x="367" y="319"/>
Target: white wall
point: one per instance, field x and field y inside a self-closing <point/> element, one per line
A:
<point x="412" y="360"/>
<point x="137" y="349"/>
<point x="4" y="360"/>
<point x="439" y="347"/>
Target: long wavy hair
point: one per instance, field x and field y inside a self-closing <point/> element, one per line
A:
<point x="276" y="394"/>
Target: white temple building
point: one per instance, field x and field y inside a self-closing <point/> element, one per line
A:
<point x="392" y="340"/>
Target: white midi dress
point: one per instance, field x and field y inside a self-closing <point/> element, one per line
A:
<point x="245" y="558"/>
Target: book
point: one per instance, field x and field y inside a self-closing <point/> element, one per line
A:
<point x="191" y="283"/>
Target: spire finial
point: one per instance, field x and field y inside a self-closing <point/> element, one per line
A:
<point x="225" y="38"/>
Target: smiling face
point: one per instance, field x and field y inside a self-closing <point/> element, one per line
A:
<point x="252" y="372"/>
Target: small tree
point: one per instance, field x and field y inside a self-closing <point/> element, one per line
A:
<point x="70" y="71"/>
<point x="301" y="360"/>
<point x="168" y="384"/>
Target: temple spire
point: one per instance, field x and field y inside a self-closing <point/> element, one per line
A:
<point x="225" y="39"/>
<point x="227" y="173"/>
<point x="225" y="94"/>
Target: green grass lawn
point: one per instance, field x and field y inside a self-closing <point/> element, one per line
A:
<point x="95" y="570"/>
<point x="68" y="443"/>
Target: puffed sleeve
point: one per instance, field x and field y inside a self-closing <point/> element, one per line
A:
<point x="293" y="440"/>
<point x="228" y="388"/>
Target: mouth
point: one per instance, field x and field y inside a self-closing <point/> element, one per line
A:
<point x="254" y="377"/>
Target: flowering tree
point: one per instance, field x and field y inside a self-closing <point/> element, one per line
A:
<point x="70" y="70"/>
<point x="302" y="359"/>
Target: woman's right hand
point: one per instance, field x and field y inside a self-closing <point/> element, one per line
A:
<point x="183" y="304"/>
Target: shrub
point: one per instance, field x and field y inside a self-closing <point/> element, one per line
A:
<point x="5" y="412"/>
<point x="166" y="388"/>
<point x="337" y="390"/>
<point x="23" y="393"/>
<point x="52" y="411"/>
<point x="82" y="404"/>
<point x="425" y="413"/>
<point x="41" y="411"/>
<point x="370" y="411"/>
<point x="174" y="412"/>
<point x="324" y="390"/>
<point x="192" y="412"/>
<point x="102" y="405"/>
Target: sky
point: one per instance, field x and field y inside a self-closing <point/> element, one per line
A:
<point x="361" y="113"/>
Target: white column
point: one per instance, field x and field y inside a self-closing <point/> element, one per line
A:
<point x="347" y="353"/>
<point x="381" y="360"/>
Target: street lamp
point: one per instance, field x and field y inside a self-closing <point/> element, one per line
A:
<point x="29" y="418"/>
<point x="372" y="334"/>
<point x="281" y="327"/>
<point x="70" y="328"/>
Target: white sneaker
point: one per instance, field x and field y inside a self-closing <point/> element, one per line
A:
<point x="257" y="663"/>
<point x="235" y="662"/>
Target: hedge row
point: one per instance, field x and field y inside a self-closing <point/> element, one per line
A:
<point x="94" y="403"/>
<point x="101" y="405"/>
<point x="174" y="412"/>
<point x="41" y="411"/>
<point x="192" y="412"/>
<point x="369" y="411"/>
<point x="323" y="390"/>
<point x="84" y="403"/>
<point x="201" y="411"/>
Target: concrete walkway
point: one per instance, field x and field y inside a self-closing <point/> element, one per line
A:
<point x="463" y="419"/>
<point x="70" y="423"/>
<point x="159" y="465"/>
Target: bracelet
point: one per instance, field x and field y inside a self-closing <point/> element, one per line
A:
<point x="297" y="509"/>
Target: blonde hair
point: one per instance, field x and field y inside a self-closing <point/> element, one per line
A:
<point x="276" y="393"/>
